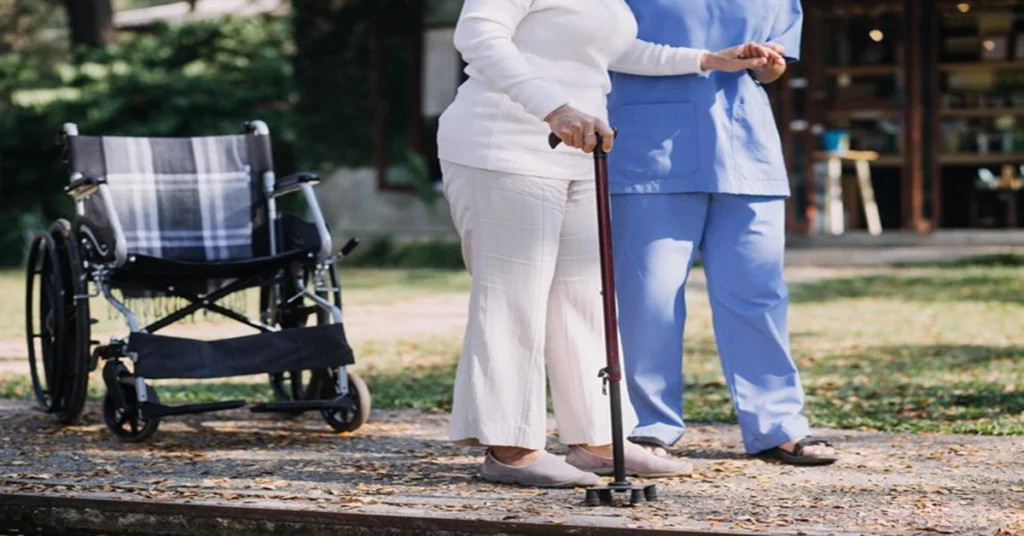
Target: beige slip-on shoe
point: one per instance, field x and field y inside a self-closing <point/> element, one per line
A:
<point x="548" y="471"/>
<point x="639" y="462"/>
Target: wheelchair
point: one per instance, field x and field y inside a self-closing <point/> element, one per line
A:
<point x="189" y="221"/>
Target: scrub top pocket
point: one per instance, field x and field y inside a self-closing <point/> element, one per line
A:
<point x="655" y="141"/>
<point x="755" y="135"/>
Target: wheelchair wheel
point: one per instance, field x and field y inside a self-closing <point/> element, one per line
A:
<point x="358" y="412"/>
<point x="60" y="321"/>
<point x="126" y="422"/>
<point x="295" y="385"/>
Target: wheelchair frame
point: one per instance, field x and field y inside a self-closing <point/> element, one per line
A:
<point x="68" y="260"/>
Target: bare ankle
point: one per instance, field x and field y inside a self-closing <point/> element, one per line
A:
<point x="600" y="450"/>
<point x="515" y="456"/>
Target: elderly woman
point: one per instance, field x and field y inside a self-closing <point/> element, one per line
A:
<point x="700" y="169"/>
<point x="527" y="219"/>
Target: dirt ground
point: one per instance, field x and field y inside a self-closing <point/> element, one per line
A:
<point x="400" y="464"/>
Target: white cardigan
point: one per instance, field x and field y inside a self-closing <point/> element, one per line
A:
<point x="527" y="58"/>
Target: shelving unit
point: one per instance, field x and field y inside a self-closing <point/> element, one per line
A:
<point x="978" y="119"/>
<point x="981" y="159"/>
<point x="983" y="113"/>
<point x="864" y="70"/>
<point x="890" y="161"/>
<point x="951" y="87"/>
<point x="983" y="65"/>
<point x="855" y="56"/>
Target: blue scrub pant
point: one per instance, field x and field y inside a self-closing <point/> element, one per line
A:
<point x="741" y="239"/>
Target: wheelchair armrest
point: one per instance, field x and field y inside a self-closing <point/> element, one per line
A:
<point x="83" y="187"/>
<point x="292" y="183"/>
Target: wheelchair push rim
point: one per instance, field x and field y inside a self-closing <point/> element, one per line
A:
<point x="45" y="301"/>
<point x="59" y="320"/>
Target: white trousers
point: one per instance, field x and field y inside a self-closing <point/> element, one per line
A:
<point x="531" y="246"/>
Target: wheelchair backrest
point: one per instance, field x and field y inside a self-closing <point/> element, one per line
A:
<point x="186" y="199"/>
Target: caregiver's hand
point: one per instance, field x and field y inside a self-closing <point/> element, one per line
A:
<point x="579" y="130"/>
<point x="741" y="58"/>
<point x="775" y="68"/>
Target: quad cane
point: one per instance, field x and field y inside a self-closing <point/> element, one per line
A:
<point x="612" y="374"/>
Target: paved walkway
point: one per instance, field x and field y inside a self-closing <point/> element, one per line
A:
<point x="400" y="465"/>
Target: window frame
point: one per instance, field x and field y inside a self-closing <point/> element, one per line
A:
<point x="380" y="105"/>
<point x="430" y="14"/>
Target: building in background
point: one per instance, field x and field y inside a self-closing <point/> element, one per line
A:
<point x="184" y="11"/>
<point x="935" y="88"/>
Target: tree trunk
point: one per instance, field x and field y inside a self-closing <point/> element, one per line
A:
<point x="91" y="21"/>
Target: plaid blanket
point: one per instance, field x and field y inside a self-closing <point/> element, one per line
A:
<point x="186" y="199"/>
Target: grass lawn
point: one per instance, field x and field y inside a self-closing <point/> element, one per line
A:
<point x="926" y="349"/>
<point x="360" y="286"/>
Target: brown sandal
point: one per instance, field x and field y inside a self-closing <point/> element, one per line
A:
<point x="651" y="444"/>
<point x="797" y="457"/>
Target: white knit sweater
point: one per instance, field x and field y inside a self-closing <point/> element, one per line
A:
<point x="528" y="57"/>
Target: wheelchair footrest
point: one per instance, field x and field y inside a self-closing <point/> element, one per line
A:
<point x="301" y="405"/>
<point x="150" y="409"/>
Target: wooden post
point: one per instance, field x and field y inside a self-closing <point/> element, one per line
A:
<point x="416" y="74"/>
<point x="813" y="72"/>
<point x="937" y="171"/>
<point x="784" y="93"/>
<point x="867" y="196"/>
<point x="91" y="22"/>
<point x="380" y="114"/>
<point x="913" y="180"/>
<point x="835" y="213"/>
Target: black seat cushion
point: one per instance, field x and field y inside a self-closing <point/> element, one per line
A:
<point x="199" y="278"/>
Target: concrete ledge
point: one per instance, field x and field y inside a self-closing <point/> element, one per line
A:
<point x="77" y="516"/>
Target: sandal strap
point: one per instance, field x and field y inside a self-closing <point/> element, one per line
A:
<point x="650" y="442"/>
<point x="798" y="449"/>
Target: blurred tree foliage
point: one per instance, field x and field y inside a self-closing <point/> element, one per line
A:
<point x="27" y="53"/>
<point x="201" y="78"/>
<point x="310" y="74"/>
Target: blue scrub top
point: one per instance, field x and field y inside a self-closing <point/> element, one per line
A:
<point x="714" y="133"/>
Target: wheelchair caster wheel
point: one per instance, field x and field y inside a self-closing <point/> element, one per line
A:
<point x="126" y="421"/>
<point x="357" y="411"/>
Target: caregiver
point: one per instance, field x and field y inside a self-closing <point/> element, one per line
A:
<point x="528" y="223"/>
<point x="698" y="167"/>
